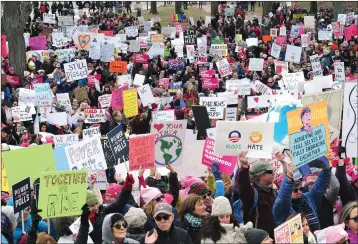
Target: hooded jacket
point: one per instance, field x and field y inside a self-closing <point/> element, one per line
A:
<point x="234" y="234"/>
<point x="107" y="235"/>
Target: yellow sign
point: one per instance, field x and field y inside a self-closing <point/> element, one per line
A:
<point x="297" y="16"/>
<point x="130" y="102"/>
<point x="238" y="37"/>
<point x="4" y="181"/>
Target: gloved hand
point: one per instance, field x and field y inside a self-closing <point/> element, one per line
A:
<point x="215" y="169"/>
<point x="36" y="218"/>
<point x="85" y="214"/>
<point x="128" y="182"/>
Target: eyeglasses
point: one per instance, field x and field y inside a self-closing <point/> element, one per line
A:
<point x="355" y="219"/>
<point x="298" y="189"/>
<point x="270" y="172"/>
<point x="79" y="120"/>
<point x="119" y="226"/>
<point x="158" y="199"/>
<point x="159" y="218"/>
<point x="207" y="195"/>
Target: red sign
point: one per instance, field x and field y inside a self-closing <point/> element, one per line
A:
<point x="13" y="80"/>
<point x="210" y="83"/>
<point x="141" y="58"/>
<point x="206" y="73"/>
<point x="164" y="82"/>
<point x="91" y="79"/>
<point x="107" y="33"/>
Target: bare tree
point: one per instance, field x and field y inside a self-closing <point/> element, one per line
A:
<point x="13" y="22"/>
<point x="313" y="7"/>
<point x="214" y="7"/>
<point x="266" y="8"/>
<point x="177" y="7"/>
<point x="153" y="7"/>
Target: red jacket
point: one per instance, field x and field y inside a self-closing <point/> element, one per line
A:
<point x="42" y="9"/>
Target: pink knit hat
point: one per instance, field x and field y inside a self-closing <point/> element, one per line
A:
<point x="149" y="193"/>
<point x="187" y="181"/>
<point x="332" y="234"/>
<point x="113" y="190"/>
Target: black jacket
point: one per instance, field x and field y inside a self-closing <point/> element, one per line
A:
<point x="175" y="235"/>
<point x="193" y="231"/>
<point x="137" y="234"/>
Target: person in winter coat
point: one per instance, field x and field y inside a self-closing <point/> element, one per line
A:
<point x="349" y="217"/>
<point x="117" y="120"/>
<point x="348" y="191"/>
<point x="190" y="118"/>
<point x="222" y="226"/>
<point x="136" y="219"/>
<point x="192" y="211"/>
<point x="254" y="236"/>
<point x="307" y="202"/>
<point x="165" y="232"/>
<point x="8" y="224"/>
<point x="114" y="230"/>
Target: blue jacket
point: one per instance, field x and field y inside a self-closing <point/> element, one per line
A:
<point x="283" y="204"/>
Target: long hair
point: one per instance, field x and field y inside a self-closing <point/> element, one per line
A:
<point x="348" y="208"/>
<point x="188" y="205"/>
<point x="212" y="229"/>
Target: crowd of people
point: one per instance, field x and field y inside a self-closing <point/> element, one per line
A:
<point x="242" y="207"/>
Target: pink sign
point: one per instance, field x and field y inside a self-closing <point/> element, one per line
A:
<point x="206" y="73"/>
<point x="13" y="80"/>
<point x="38" y="42"/>
<point x="164" y="82"/>
<point x="210" y="83"/>
<point x="141" y="58"/>
<point x="350" y="32"/>
<point x="141" y="152"/>
<point x="117" y="97"/>
<point x="93" y="78"/>
<point x="37" y="80"/>
<point x="226" y="163"/>
<point x="3" y="46"/>
<point x="280" y="39"/>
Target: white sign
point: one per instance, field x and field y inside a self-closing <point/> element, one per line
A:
<point x="145" y="94"/>
<point x="261" y="88"/>
<point x="163" y="115"/>
<point x="215" y="106"/>
<point x="101" y="180"/>
<point x="94" y="116"/>
<point x="76" y="70"/>
<point x="49" y="18"/>
<point x="232" y="137"/>
<point x="256" y="64"/>
<point x="293" y="54"/>
<point x="27" y="97"/>
<point x="139" y="80"/>
<point x="224" y="67"/>
<point x="65" y="140"/>
<point x="291" y="80"/>
<point x="350" y="118"/>
<point x="262" y="101"/>
<point x="64" y="100"/>
<point x="91" y="133"/>
<point x="75" y="227"/>
<point x="275" y="50"/>
<point x="339" y="74"/>
<point x="86" y="155"/>
<point x="325" y="81"/>
<point x="231" y="97"/>
<point x="309" y="22"/>
<point x="283" y="31"/>
<point x="252" y="42"/>
<point x="325" y="35"/>
<point x="105" y="100"/>
<point x="316" y="65"/>
<point x="342" y="19"/>
<point x="21" y="113"/>
<point x="57" y="118"/>
<point x="65" y="20"/>
<point x="131" y="31"/>
<point x="59" y="39"/>
<point x="231" y="114"/>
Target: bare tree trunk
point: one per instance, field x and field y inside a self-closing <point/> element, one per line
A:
<point x="13" y="23"/>
<point x="153" y="7"/>
<point x="313" y="7"/>
<point x="177" y="7"/>
<point x="266" y="9"/>
<point x="214" y="7"/>
<point x="338" y="8"/>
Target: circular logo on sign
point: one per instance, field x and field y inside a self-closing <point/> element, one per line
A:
<point x="234" y="136"/>
<point x="168" y="149"/>
<point x="256" y="137"/>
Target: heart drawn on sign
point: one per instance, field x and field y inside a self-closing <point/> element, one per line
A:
<point x="158" y="127"/>
<point x="83" y="40"/>
<point x="256" y="99"/>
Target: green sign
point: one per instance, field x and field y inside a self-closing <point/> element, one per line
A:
<point x="63" y="193"/>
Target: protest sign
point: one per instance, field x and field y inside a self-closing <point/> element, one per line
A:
<point x="176" y="64"/>
<point x="275" y="50"/>
<point x="118" y="142"/>
<point x="11" y="80"/>
<point x="84" y="41"/>
<point x="226" y="163"/>
<point x="75" y="227"/>
<point x="59" y="39"/>
<point x="140" y="58"/>
<point x="309" y="22"/>
<point x="291" y="80"/>
<point x="349" y="129"/>
<point x="64" y="100"/>
<point x="49" y="18"/>
<point x="3" y="46"/>
<point x="324" y="81"/>
<point x="108" y="154"/>
<point x="215" y="106"/>
<point x="293" y="54"/>
<point x="30" y="166"/>
<point x="305" y="40"/>
<point x="4" y="181"/>
<point x="231" y="97"/>
<point x="316" y="65"/>
<point x="231" y="114"/>
<point x="107" y="51"/>
<point x="350" y="32"/>
<point x="189" y="37"/>
<point x="131" y="31"/>
<point x="210" y="83"/>
<point x="117" y="97"/>
<point x="256" y="64"/>
<point x="164" y="83"/>
<point x="260" y="87"/>
<point x="273" y="32"/>
<point x="290" y="232"/>
<point x="163" y="115"/>
<point x="325" y="35"/>
<point x="27" y="97"/>
<point x="252" y="42"/>
<point x="65" y="20"/>
<point x="60" y="189"/>
<point x="95" y="50"/>
<point x="169" y="140"/>
<point x="243" y="87"/>
<point x="134" y="46"/>
<point x="163" y="100"/>
<point x="169" y="31"/>
<point x="118" y="66"/>
<point x="105" y="100"/>
<point x="342" y="18"/>
<point x="108" y="33"/>
<point x="283" y="31"/>
<point x="38" y="42"/>
<point x="130" y="102"/>
<point x="141" y="151"/>
<point x="65" y="54"/>
<point x="43" y="92"/>
<point x="21" y="195"/>
<point x="86" y="154"/>
<point x="224" y="67"/>
<point x="138" y="80"/>
<point x="94" y="116"/>
<point x="91" y="133"/>
<point x="59" y="118"/>
<point x="339" y="74"/>
<point x="280" y="40"/>
<point x="233" y="137"/>
<point x="308" y="130"/>
<point x="101" y="180"/>
<point x="157" y="38"/>
<point x="145" y="94"/>
<point x="21" y="113"/>
<point x="262" y="101"/>
<point x="229" y="11"/>
<point x="65" y="140"/>
<point x="76" y="70"/>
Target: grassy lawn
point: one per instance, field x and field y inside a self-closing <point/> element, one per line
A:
<point x="165" y="13"/>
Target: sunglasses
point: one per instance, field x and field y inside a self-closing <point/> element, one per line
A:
<point x="79" y="120"/>
<point x="207" y="195"/>
<point x="298" y="189"/>
<point x="159" y="218"/>
<point x="158" y="199"/>
<point x="355" y="219"/>
<point x="119" y="226"/>
<point x="270" y="172"/>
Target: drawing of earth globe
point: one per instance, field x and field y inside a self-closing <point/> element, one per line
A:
<point x="168" y="149"/>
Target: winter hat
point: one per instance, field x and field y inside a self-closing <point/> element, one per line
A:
<point x="168" y="198"/>
<point x="6" y="225"/>
<point x="9" y="211"/>
<point x="199" y="189"/>
<point x="149" y="193"/>
<point x="221" y="206"/>
<point x="187" y="181"/>
<point x="333" y="234"/>
<point x="92" y="197"/>
<point x="113" y="190"/>
<point x="255" y="236"/>
<point x="135" y="217"/>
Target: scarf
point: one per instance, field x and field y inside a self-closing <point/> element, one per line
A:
<point x="194" y="221"/>
<point x="263" y="188"/>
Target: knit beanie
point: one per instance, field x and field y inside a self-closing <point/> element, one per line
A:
<point x="221" y="206"/>
<point x="332" y="234"/>
<point x="6" y="225"/>
<point x="113" y="189"/>
<point x="198" y="188"/>
<point x="188" y="181"/>
<point x="135" y="217"/>
<point x="149" y="193"/>
<point x="9" y="211"/>
<point x="92" y="197"/>
<point x="255" y="236"/>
